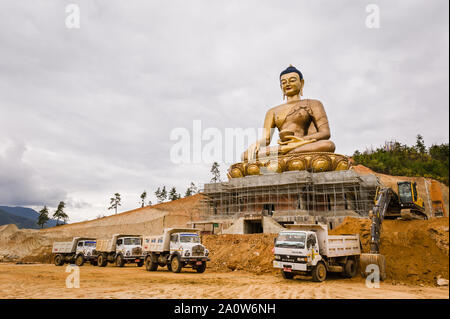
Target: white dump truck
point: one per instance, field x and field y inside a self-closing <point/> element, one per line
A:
<point x="120" y="249"/>
<point x="307" y="249"/>
<point x="76" y="251"/>
<point x="175" y="248"/>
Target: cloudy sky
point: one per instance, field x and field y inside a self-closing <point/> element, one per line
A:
<point x="87" y="112"/>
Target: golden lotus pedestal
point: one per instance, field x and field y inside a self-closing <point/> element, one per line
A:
<point x="312" y="162"/>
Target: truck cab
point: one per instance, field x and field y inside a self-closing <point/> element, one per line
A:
<point x="296" y="250"/>
<point x="85" y="247"/>
<point x="188" y="245"/>
<point x="129" y="247"/>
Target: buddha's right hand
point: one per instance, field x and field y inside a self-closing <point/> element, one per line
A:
<point x="252" y="151"/>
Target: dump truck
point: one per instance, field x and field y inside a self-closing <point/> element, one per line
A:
<point x="175" y="248"/>
<point x="307" y="249"/>
<point x="76" y="251"/>
<point x="120" y="249"/>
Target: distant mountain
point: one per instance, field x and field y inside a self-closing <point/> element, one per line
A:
<point x="23" y="217"/>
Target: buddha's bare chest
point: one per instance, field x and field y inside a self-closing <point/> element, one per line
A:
<point x="292" y="114"/>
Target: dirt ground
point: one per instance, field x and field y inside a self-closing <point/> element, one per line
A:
<point x="49" y="281"/>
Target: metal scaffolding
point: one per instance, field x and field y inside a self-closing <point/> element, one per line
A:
<point x="291" y="193"/>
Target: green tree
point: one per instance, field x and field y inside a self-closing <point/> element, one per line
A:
<point x="43" y="217"/>
<point x="404" y="160"/>
<point x="115" y="202"/>
<point x="173" y="195"/>
<point x="143" y="197"/>
<point x="215" y="173"/>
<point x="191" y="190"/>
<point x="59" y="214"/>
<point x="161" y="194"/>
<point x="420" y="144"/>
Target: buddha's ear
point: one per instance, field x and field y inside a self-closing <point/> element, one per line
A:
<point x="302" y="82"/>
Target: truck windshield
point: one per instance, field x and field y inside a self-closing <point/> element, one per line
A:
<point x="291" y="240"/>
<point x="132" y="241"/>
<point x="189" y="238"/>
<point x="89" y="243"/>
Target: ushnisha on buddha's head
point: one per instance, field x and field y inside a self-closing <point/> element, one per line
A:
<point x="291" y="82"/>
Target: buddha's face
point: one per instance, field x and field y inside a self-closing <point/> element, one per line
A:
<point x="291" y="84"/>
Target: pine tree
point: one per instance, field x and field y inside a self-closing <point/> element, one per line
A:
<point x="215" y="173"/>
<point x="161" y="194"/>
<point x="43" y="217"/>
<point x="173" y="195"/>
<point x="191" y="190"/>
<point x="420" y="144"/>
<point x="143" y="197"/>
<point x="115" y="202"/>
<point x="158" y="195"/>
<point x="60" y="214"/>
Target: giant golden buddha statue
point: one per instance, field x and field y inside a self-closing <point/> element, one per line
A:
<point x="304" y="136"/>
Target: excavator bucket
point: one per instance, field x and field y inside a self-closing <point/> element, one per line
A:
<point x="368" y="263"/>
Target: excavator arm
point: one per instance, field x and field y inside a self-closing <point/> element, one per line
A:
<point x="386" y="198"/>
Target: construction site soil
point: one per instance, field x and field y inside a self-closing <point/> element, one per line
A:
<point x="49" y="281"/>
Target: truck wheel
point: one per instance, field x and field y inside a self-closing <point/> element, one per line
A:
<point x="201" y="269"/>
<point x="350" y="269"/>
<point x="101" y="260"/>
<point x="58" y="260"/>
<point x="319" y="272"/>
<point x="287" y="275"/>
<point x="79" y="261"/>
<point x="149" y="265"/>
<point x="169" y="267"/>
<point x="120" y="262"/>
<point x="175" y="264"/>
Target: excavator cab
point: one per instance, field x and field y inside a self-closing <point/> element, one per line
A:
<point x="410" y="202"/>
<point x="407" y="193"/>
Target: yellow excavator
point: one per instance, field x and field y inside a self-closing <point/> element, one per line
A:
<point x="406" y="205"/>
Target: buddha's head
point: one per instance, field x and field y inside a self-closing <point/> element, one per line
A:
<point x="291" y="81"/>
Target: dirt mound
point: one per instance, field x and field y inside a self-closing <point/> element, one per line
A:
<point x="252" y="252"/>
<point x="416" y="251"/>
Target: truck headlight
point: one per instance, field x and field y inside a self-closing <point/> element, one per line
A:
<point x="277" y="257"/>
<point x="187" y="253"/>
<point x="128" y="253"/>
<point x="304" y="259"/>
<point x="206" y="252"/>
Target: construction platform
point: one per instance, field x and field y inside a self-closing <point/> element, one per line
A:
<point x="285" y="198"/>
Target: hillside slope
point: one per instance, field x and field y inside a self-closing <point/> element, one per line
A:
<point x="19" y="221"/>
<point x="24" y="217"/>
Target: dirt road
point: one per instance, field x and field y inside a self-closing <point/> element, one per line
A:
<point x="49" y="281"/>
